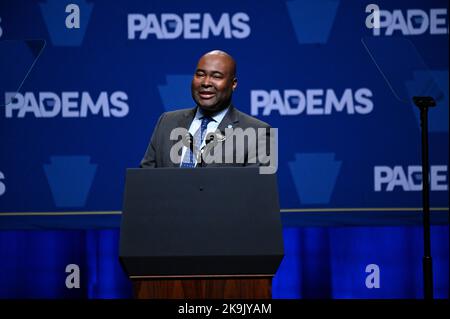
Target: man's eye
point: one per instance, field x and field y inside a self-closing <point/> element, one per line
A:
<point x="200" y="74"/>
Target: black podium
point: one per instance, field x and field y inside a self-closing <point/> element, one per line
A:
<point x="201" y="233"/>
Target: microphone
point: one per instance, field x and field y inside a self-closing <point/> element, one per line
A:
<point x="188" y="141"/>
<point x="208" y="140"/>
<point x="211" y="141"/>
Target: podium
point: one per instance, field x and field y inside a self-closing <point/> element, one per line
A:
<point x="212" y="232"/>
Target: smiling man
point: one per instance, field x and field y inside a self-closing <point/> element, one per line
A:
<point x="214" y="82"/>
<point x="213" y="117"/>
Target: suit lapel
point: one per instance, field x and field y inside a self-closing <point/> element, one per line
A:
<point x="231" y="118"/>
<point x="184" y="121"/>
<point x="186" y="118"/>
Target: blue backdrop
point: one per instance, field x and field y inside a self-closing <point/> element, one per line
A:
<point x="82" y="84"/>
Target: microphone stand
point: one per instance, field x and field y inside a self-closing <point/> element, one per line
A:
<point x="423" y="103"/>
<point x="209" y="139"/>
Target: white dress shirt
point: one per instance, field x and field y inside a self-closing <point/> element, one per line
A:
<point x="212" y="127"/>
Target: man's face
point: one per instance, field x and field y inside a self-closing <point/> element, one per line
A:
<point x="213" y="82"/>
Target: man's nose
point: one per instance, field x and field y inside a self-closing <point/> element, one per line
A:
<point x="206" y="81"/>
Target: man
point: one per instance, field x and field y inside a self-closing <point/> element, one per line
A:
<point x="214" y="118"/>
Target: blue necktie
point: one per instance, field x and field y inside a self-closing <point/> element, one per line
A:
<point x="188" y="159"/>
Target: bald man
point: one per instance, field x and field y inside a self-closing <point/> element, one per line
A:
<point x="213" y="116"/>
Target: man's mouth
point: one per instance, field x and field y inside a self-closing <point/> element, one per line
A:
<point x="206" y="94"/>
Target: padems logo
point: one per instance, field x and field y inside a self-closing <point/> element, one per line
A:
<point x="409" y="178"/>
<point x="170" y="26"/>
<point x="409" y="22"/>
<point x="67" y="104"/>
<point x="311" y="102"/>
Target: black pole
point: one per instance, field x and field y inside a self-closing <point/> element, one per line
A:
<point x="424" y="103"/>
<point x="427" y="261"/>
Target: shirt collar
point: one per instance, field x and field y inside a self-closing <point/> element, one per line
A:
<point x="218" y="117"/>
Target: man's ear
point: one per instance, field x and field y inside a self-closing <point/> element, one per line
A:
<point x="234" y="83"/>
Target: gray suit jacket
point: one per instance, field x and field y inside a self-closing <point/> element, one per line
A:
<point x="158" y="150"/>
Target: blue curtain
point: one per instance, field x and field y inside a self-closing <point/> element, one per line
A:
<point x="320" y="262"/>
